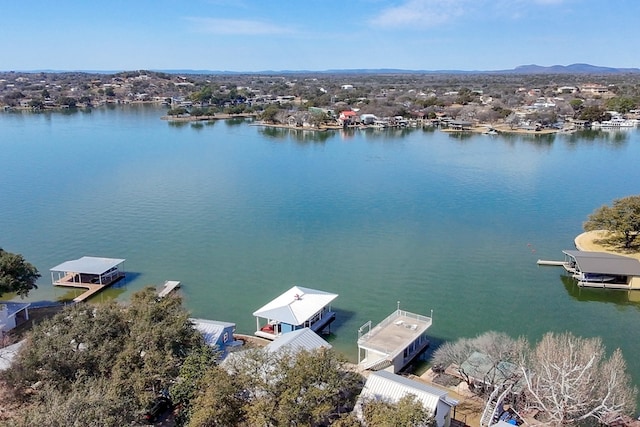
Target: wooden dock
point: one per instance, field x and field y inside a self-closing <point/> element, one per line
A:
<point x="91" y="288"/>
<point x="168" y="287"/>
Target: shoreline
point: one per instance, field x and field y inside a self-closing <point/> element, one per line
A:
<point x="587" y="242"/>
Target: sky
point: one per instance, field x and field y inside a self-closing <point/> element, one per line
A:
<point x="315" y="35"/>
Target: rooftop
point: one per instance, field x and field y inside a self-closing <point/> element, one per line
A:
<point x="395" y="333"/>
<point x="296" y="306"/>
<point x="88" y="265"/>
<point x="605" y="263"/>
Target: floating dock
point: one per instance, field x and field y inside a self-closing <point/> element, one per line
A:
<point x="168" y="287"/>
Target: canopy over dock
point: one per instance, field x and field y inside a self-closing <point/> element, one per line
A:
<point x="92" y="273"/>
<point x="604" y="263"/>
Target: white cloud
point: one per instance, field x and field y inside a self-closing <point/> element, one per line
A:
<point x="237" y="27"/>
<point x="419" y="13"/>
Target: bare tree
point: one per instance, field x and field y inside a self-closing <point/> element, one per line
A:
<point x="496" y="360"/>
<point x="571" y="381"/>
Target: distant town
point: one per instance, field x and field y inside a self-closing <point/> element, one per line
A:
<point x="544" y="102"/>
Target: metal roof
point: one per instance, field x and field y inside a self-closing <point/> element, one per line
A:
<point x="13" y="307"/>
<point x="296" y="306"/>
<point x="88" y="265"/>
<point x="605" y="263"/>
<point x="301" y="339"/>
<point x="387" y="386"/>
<point x="211" y="329"/>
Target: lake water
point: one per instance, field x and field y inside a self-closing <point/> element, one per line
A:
<point x="240" y="213"/>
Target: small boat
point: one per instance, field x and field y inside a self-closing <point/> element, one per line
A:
<point x="593" y="277"/>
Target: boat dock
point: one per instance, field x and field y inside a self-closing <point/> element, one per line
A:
<point x="168" y="287"/>
<point x="551" y="263"/>
<point x="91" y="289"/>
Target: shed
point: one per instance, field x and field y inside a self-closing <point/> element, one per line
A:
<point x="215" y="333"/>
<point x="390" y="387"/>
<point x="12" y="314"/>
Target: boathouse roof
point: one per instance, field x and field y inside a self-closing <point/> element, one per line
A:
<point x="605" y="263"/>
<point x="301" y="339"/>
<point x="296" y="306"/>
<point x="88" y="265"/>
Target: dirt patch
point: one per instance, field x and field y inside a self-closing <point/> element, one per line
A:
<point x="595" y="241"/>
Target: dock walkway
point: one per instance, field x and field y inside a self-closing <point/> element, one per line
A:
<point x="168" y="287"/>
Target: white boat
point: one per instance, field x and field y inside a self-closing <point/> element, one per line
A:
<point x="615" y="123"/>
<point x="593" y="277"/>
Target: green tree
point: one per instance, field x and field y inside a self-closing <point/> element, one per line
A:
<point x="621" y="104"/>
<point x="408" y="411"/>
<point x="269" y="114"/>
<point x="178" y="111"/>
<point x="221" y="403"/>
<point x="576" y="104"/>
<point x="621" y="219"/>
<point x="16" y="274"/>
<point x="67" y="100"/>
<point x="290" y="388"/>
<point x="191" y="380"/>
<point x="125" y="353"/>
<point x="594" y="113"/>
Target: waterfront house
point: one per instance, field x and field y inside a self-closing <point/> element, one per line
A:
<point x="12" y="314"/>
<point x="347" y="118"/>
<point x="394" y="342"/>
<point x="602" y="269"/>
<point x="389" y="387"/>
<point x="295" y="309"/>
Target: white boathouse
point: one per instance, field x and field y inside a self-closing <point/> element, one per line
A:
<point x="295" y="309"/>
<point x="91" y="273"/>
<point x="394" y="342"/>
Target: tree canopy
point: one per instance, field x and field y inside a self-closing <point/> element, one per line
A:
<point x="276" y="388"/>
<point x="408" y="411"/>
<point x="621" y="219"/>
<point x="16" y="274"/>
<point x="122" y="356"/>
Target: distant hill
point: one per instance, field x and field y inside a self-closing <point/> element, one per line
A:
<point x="570" y="69"/>
<point x="522" y="69"/>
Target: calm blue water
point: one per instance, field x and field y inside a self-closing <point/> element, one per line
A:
<point x="239" y="214"/>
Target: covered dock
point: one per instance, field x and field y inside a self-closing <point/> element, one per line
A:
<point x="91" y="273"/>
<point x="602" y="269"/>
<point x="394" y="342"/>
<point x="295" y="309"/>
